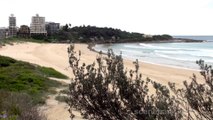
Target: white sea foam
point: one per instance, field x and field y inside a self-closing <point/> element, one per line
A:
<point x="177" y="54"/>
<point x="132" y="46"/>
<point x="174" y="48"/>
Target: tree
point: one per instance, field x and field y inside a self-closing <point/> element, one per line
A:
<point x="70" y="25"/>
<point x="105" y="90"/>
<point x="65" y="28"/>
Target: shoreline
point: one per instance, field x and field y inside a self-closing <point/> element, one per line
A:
<point x="171" y="66"/>
<point x="185" y="73"/>
<point x="91" y="48"/>
<point x="173" y="40"/>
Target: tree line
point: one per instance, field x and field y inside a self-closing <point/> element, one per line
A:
<point x="104" y="35"/>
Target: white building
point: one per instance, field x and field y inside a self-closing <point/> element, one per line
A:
<point x="12" y="26"/>
<point x="37" y="25"/>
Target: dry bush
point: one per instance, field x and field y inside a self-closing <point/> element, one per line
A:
<point x="110" y="92"/>
<point x="18" y="106"/>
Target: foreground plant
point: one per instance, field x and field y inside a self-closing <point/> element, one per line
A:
<point x="18" y="106"/>
<point x="197" y="98"/>
<point x="105" y="90"/>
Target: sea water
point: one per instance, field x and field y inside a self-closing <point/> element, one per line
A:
<point x="182" y="55"/>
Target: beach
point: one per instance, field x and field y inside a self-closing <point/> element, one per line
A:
<point x="56" y="56"/>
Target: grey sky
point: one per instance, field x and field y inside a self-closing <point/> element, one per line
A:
<point x="175" y="17"/>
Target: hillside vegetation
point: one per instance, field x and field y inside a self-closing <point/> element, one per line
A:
<point x="21" y="76"/>
<point x="104" y="35"/>
<point x="22" y="87"/>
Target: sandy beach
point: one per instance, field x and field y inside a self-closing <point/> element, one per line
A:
<point x="55" y="56"/>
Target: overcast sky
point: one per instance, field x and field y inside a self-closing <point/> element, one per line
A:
<point x="175" y="17"/>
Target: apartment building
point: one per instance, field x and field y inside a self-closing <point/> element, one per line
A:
<point x="52" y="27"/>
<point x="37" y="26"/>
<point x="12" y="26"/>
<point x="24" y="31"/>
<point x="3" y="32"/>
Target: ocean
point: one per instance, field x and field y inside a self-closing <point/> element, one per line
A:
<point x="183" y="55"/>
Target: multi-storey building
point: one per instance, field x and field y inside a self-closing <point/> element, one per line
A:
<point x="2" y="33"/>
<point x="24" y="31"/>
<point x="37" y="26"/>
<point x="52" y="28"/>
<point x="12" y="26"/>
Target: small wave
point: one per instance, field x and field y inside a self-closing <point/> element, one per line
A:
<point x="193" y="59"/>
<point x="132" y="46"/>
<point x="167" y="48"/>
<point x="174" y="58"/>
<point x="170" y="52"/>
<point x="207" y="50"/>
<point x="175" y="53"/>
<point x="130" y="51"/>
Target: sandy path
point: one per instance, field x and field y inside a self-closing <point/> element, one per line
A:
<point x="55" y="56"/>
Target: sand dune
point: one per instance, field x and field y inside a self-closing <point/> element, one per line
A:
<point x="55" y="56"/>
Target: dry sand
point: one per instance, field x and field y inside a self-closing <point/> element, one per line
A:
<point x="55" y="56"/>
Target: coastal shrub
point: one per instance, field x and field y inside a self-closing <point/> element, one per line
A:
<point x="6" y="61"/>
<point x="12" y="40"/>
<point x="106" y="90"/>
<point x="197" y="98"/>
<point x="39" y="36"/>
<point x="64" y="91"/>
<point x="18" y="106"/>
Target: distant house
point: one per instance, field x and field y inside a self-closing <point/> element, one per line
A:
<point x="12" y="26"/>
<point x="3" y="33"/>
<point x="52" y="27"/>
<point x="37" y="26"/>
<point x="24" y="31"/>
<point x="147" y="36"/>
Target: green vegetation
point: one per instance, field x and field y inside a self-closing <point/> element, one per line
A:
<point x="23" y="86"/>
<point x="11" y="40"/>
<point x="104" y="35"/>
<point x="63" y="95"/>
<point x="88" y="33"/>
<point x="18" y="106"/>
<point x="18" y="76"/>
<point x="50" y="72"/>
<point x="65" y="91"/>
<point x="108" y="91"/>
